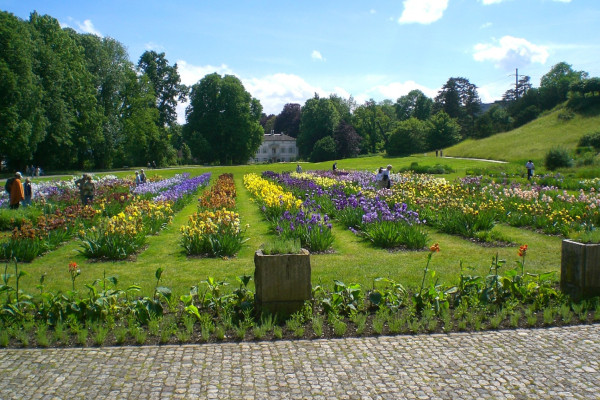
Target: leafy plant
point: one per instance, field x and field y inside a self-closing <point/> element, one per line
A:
<point x="282" y="246"/>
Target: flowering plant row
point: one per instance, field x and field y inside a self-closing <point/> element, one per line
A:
<point x="124" y="234"/>
<point x="215" y="230"/>
<point x="289" y="216"/>
<point x="46" y="232"/>
<point x="372" y="217"/>
<point x="273" y="200"/>
<point x="470" y="207"/>
<point x="127" y="219"/>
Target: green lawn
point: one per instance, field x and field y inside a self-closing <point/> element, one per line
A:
<point x="531" y="141"/>
<point x="353" y="261"/>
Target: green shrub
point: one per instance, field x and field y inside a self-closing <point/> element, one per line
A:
<point x="558" y="157"/>
<point x="590" y="140"/>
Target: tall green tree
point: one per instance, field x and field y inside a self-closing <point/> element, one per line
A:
<point x="442" y="131"/>
<point x="108" y="63"/>
<point x="459" y="99"/>
<point x="415" y="104"/>
<point x="514" y="94"/>
<point x="408" y="137"/>
<point x="74" y="121"/>
<point x="319" y="119"/>
<point x="166" y="82"/>
<point x="496" y="119"/>
<point x="323" y="150"/>
<point x="554" y="85"/>
<point x="373" y="122"/>
<point x="22" y="120"/>
<point x="223" y="121"/>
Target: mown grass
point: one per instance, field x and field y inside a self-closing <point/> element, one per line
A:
<point x="533" y="140"/>
<point x="354" y="260"/>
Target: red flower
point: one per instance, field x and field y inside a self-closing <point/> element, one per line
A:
<point x="522" y="250"/>
<point x="435" y="248"/>
<point x="72" y="267"/>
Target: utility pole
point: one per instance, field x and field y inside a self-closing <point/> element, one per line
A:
<point x="517" y="83"/>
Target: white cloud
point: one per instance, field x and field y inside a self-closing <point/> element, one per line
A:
<point x="422" y="11"/>
<point x="395" y="90"/>
<point x="275" y="91"/>
<point x="316" y="55"/>
<point x="154" y="46"/>
<point x="191" y="74"/>
<point x="88" y="27"/>
<point x="488" y="2"/>
<point x="510" y="52"/>
<point x="372" y="11"/>
<point x="486" y="25"/>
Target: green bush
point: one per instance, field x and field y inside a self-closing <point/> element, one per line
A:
<point x="590" y="140"/>
<point x="558" y="157"/>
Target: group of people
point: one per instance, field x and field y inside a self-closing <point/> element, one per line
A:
<point x="140" y="177"/>
<point x="383" y="177"/>
<point x="19" y="192"/>
<point x="33" y="171"/>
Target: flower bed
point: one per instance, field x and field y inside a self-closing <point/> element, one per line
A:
<point x="289" y="216"/>
<point x="215" y="230"/>
<point x="57" y="217"/>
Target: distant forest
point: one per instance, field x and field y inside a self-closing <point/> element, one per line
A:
<point x="76" y="101"/>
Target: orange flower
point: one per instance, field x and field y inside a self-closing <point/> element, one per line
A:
<point x="72" y="266"/>
<point x="435" y="248"/>
<point x="522" y="250"/>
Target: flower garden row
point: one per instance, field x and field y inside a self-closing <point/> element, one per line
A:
<point x="215" y="229"/>
<point x="297" y="206"/>
<point x="469" y="207"/>
<point x="115" y="226"/>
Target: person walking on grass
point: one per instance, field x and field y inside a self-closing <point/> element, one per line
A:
<point x="530" y="169"/>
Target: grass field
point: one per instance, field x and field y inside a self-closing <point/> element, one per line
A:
<point x="353" y="260"/>
<point x="531" y="141"/>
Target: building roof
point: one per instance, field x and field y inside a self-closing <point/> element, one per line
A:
<point x="278" y="137"/>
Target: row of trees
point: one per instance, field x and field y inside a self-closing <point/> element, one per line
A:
<point x="329" y="128"/>
<point x="70" y="100"/>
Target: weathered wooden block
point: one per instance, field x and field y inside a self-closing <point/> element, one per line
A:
<point x="282" y="282"/>
<point x="580" y="269"/>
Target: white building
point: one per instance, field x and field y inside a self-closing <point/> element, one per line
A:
<point x="276" y="147"/>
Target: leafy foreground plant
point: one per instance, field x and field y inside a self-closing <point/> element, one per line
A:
<point x="100" y="313"/>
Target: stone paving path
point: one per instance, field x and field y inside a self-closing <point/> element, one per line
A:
<point x="557" y="363"/>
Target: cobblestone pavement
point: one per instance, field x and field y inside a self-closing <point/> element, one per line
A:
<point x="557" y="363"/>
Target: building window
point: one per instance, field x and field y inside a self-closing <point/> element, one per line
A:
<point x="264" y="150"/>
<point x="274" y="150"/>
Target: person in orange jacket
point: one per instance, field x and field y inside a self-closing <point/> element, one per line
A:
<point x="16" y="192"/>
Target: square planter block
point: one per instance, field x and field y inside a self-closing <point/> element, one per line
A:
<point x="580" y="269"/>
<point x="282" y="281"/>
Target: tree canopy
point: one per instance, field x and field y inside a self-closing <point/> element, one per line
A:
<point x="223" y="121"/>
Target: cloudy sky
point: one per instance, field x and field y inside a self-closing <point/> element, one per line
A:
<point x="285" y="51"/>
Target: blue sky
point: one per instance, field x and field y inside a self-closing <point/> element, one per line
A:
<point x="285" y="51"/>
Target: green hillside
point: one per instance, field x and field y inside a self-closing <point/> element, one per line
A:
<point x="531" y="141"/>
